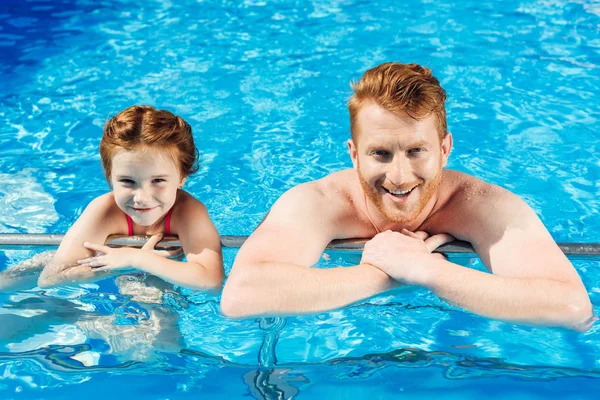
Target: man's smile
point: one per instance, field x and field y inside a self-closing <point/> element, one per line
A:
<point x="398" y="194"/>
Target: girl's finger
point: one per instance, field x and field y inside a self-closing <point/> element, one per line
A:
<point x="435" y="241"/>
<point x="96" y="247"/>
<point x="152" y="242"/>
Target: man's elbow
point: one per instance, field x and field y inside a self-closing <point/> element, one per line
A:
<point x="580" y="315"/>
<point x="237" y="300"/>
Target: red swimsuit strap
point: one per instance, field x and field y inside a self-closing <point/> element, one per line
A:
<point x="129" y="225"/>
<point x="167" y="223"/>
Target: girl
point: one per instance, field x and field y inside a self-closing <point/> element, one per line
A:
<point x="147" y="154"/>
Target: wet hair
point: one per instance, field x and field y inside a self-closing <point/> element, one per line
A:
<point x="146" y="127"/>
<point x="403" y="89"/>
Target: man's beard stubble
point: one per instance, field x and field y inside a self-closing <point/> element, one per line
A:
<point x="427" y="192"/>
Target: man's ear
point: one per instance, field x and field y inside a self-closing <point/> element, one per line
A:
<point x="446" y="148"/>
<point x="353" y="152"/>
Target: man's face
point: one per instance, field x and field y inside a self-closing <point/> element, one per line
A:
<point x="399" y="161"/>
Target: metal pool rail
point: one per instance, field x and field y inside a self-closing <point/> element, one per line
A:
<point x="30" y="240"/>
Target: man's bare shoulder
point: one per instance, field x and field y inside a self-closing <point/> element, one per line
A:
<point x="329" y="201"/>
<point x="331" y="191"/>
<point x="468" y="204"/>
<point x="464" y="190"/>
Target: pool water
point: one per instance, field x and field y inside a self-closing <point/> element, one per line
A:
<point x="264" y="86"/>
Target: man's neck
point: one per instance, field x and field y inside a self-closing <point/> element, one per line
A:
<point x="382" y="223"/>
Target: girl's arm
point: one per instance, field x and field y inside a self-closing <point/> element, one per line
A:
<point x="96" y="223"/>
<point x="25" y="274"/>
<point x="199" y="239"/>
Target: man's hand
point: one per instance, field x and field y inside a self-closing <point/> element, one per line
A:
<point x="403" y="255"/>
<point x="108" y="258"/>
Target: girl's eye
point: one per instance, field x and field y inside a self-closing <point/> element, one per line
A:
<point x="158" y="180"/>
<point x="126" y="181"/>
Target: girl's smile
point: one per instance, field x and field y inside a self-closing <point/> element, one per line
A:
<point x="145" y="183"/>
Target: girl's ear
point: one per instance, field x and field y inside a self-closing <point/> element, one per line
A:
<point x="182" y="182"/>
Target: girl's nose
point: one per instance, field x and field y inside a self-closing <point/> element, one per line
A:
<point x="141" y="195"/>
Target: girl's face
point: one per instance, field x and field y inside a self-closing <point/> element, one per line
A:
<point x="145" y="184"/>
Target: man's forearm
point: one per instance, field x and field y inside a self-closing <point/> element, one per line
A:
<point x="535" y="301"/>
<point x="289" y="289"/>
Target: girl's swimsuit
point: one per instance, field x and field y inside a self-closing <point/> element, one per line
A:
<point x="167" y="223"/>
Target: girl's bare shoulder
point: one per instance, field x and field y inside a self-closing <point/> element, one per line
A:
<point x="104" y="206"/>
<point x="187" y="205"/>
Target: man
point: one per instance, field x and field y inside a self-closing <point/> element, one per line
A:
<point x="399" y="195"/>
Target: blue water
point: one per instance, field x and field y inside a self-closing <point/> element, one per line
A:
<point x="264" y="85"/>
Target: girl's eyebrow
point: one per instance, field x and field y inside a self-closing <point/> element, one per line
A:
<point x="152" y="177"/>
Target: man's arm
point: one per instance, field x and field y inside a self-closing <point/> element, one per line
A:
<point x="532" y="282"/>
<point x="272" y="275"/>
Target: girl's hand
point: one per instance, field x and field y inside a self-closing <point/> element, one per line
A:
<point x="117" y="258"/>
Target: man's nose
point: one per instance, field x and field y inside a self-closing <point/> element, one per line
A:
<point x="398" y="171"/>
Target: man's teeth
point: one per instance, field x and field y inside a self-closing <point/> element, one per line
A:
<point x="400" y="192"/>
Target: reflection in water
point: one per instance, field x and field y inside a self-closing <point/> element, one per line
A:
<point x="455" y="366"/>
<point x="272" y="327"/>
<point x="273" y="383"/>
<point x="267" y="382"/>
<point x="133" y="325"/>
<point x="58" y="363"/>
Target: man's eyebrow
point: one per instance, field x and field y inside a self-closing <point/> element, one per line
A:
<point x="420" y="143"/>
<point x="376" y="146"/>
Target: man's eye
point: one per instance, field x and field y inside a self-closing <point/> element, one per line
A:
<point x="381" y="153"/>
<point x="416" y="150"/>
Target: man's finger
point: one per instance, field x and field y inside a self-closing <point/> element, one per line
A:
<point x="441" y="256"/>
<point x="421" y="235"/>
<point x="435" y="241"/>
<point x="152" y="242"/>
